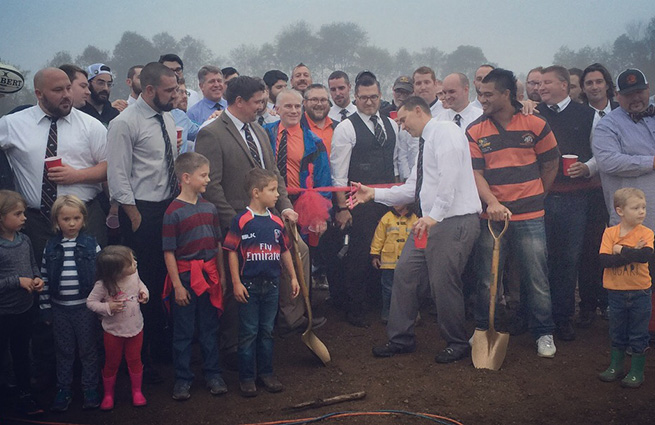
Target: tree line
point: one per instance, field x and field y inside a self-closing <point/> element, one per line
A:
<point x="339" y="45"/>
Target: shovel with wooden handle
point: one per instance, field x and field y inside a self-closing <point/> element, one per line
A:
<point x="488" y="348"/>
<point x="311" y="341"/>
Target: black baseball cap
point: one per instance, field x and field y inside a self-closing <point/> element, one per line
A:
<point x="631" y="80"/>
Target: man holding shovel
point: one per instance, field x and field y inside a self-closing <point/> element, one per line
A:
<point x="443" y="186"/>
<point x="515" y="160"/>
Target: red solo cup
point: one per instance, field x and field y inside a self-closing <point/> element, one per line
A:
<point x="53" y="161"/>
<point x="112" y="221"/>
<point x="179" y="132"/>
<point x="421" y="242"/>
<point x="567" y="161"/>
<point x="393" y="115"/>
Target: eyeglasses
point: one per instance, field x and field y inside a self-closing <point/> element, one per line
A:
<point x="103" y="83"/>
<point x="365" y="99"/>
<point x="532" y="83"/>
<point x="177" y="70"/>
<point x="317" y="100"/>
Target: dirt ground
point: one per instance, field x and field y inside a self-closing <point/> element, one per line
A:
<point x="527" y="390"/>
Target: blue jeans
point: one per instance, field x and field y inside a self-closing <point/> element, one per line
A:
<point x="202" y="313"/>
<point x="527" y="239"/>
<point x="256" y="320"/>
<point x="629" y="317"/>
<point x="386" y="281"/>
<point x="566" y="218"/>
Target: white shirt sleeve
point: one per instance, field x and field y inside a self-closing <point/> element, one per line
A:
<point x="343" y="140"/>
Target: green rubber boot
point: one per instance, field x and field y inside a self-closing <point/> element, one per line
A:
<point x="635" y="377"/>
<point x="615" y="371"/>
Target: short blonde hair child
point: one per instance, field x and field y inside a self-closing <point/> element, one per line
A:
<point x="71" y="201"/>
<point x="621" y="196"/>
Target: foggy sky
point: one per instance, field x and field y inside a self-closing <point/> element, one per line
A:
<point x="516" y="34"/>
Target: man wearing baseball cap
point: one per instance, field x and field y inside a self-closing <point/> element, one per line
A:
<point x="98" y="106"/>
<point x="402" y="88"/>
<point x="624" y="145"/>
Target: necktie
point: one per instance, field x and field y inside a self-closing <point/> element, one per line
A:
<point x="218" y="106"/>
<point x="261" y="120"/>
<point x="49" y="188"/>
<point x="554" y="108"/>
<point x="648" y="112"/>
<point x="378" y="131"/>
<point x="168" y="153"/>
<point x="419" y="176"/>
<point x="458" y="120"/>
<point x="601" y="113"/>
<point x="282" y="155"/>
<point x="344" y="114"/>
<point x="252" y="146"/>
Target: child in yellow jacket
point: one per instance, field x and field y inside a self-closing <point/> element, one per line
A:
<point x="390" y="236"/>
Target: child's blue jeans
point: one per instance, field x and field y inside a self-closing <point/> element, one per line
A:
<point x="256" y="320"/>
<point x="629" y="316"/>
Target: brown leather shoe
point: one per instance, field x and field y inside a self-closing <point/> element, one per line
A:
<point x="271" y="383"/>
<point x="248" y="389"/>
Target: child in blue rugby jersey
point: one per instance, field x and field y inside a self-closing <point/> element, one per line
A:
<point x="257" y="244"/>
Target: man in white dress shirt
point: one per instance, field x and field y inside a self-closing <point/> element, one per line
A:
<point x="362" y="150"/>
<point x="443" y="185"/>
<point x="339" y="85"/>
<point x="80" y="140"/>
<point x="456" y="99"/>
<point x="427" y="87"/>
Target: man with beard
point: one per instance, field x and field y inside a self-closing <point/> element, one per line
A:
<point x="276" y="81"/>
<point x="79" y="84"/>
<point x="301" y="77"/>
<point x="142" y="180"/>
<point x="316" y="104"/>
<point x="98" y="106"/>
<point x="75" y="137"/>
<point x="339" y="85"/>
<point x="133" y="81"/>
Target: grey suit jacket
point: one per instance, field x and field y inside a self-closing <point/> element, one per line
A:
<point x="229" y="163"/>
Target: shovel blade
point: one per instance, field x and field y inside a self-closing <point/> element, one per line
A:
<point x="488" y="349"/>
<point x="316" y="346"/>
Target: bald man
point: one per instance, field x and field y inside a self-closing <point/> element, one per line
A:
<point x="76" y="137"/>
<point x="456" y="100"/>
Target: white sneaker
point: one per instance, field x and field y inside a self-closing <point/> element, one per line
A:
<point x="546" y="346"/>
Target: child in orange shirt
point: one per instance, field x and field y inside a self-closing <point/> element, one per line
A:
<point x="624" y="254"/>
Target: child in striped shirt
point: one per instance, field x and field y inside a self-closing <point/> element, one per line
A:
<point x="68" y="270"/>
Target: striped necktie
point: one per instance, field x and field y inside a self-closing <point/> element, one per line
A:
<point x="282" y="155"/>
<point x="378" y="131"/>
<point x="344" y="114"/>
<point x="252" y="146"/>
<point x="48" y="187"/>
<point x="170" y="161"/>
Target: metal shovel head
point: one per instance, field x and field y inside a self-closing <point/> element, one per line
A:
<point x="488" y="349"/>
<point x="316" y="346"/>
<point x="311" y="341"/>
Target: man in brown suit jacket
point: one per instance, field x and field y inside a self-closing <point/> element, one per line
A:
<point x="234" y="144"/>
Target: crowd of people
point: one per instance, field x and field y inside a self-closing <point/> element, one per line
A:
<point x="201" y="188"/>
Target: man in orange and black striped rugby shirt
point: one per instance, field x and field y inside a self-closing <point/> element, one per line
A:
<point x="515" y="160"/>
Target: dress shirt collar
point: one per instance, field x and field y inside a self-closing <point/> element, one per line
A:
<point x="41" y="115"/>
<point x="607" y="109"/>
<point x="294" y="130"/>
<point x="237" y="122"/>
<point x="367" y="118"/>
<point x="312" y="124"/>
<point x="146" y="109"/>
<point x="211" y="104"/>
<point x="562" y="105"/>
